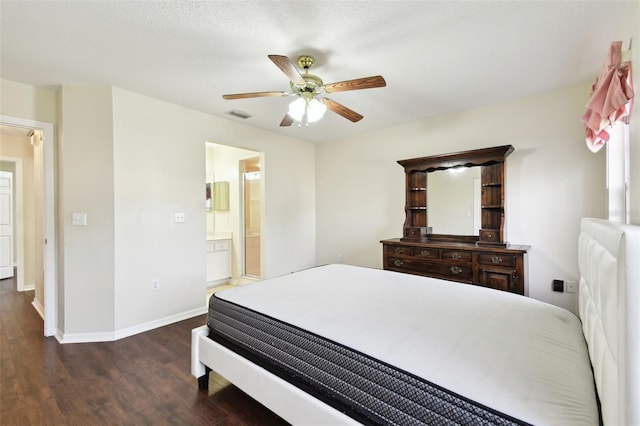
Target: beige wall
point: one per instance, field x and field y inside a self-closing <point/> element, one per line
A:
<point x="28" y="102"/>
<point x="552" y="181"/>
<point x="85" y="185"/>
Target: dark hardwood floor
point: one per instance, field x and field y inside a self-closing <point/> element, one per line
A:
<point x="140" y="380"/>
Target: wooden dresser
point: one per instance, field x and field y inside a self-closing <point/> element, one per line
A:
<point x="483" y="259"/>
<point x="502" y="268"/>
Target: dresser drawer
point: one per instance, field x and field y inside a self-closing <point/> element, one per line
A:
<point x="415" y="233"/>
<point x="490" y="235"/>
<point x="398" y="251"/>
<point x="425" y="253"/>
<point x="456" y="255"/>
<point x="497" y="259"/>
<point x="448" y="271"/>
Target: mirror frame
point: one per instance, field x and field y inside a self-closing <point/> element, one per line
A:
<point x="492" y="176"/>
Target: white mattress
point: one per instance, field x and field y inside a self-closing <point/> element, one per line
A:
<point x="525" y="358"/>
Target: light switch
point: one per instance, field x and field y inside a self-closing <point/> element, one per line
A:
<point x="79" y="219"/>
<point x="179" y="217"/>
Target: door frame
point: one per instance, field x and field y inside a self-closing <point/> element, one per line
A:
<point x="50" y="313"/>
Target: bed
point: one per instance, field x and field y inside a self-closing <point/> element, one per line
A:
<point x="340" y="344"/>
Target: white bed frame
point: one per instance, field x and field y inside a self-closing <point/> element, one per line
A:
<point x="609" y="294"/>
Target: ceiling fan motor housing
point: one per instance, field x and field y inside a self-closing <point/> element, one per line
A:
<point x="313" y="83"/>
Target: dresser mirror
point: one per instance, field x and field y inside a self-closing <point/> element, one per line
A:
<point x="454" y="201"/>
<point x="467" y="208"/>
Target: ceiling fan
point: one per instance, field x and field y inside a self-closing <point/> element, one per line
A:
<point x="309" y="89"/>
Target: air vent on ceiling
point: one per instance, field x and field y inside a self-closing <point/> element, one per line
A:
<point x="239" y="114"/>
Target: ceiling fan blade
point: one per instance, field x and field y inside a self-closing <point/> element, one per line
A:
<point x="254" y="95"/>
<point x="287" y="121"/>
<point x="288" y="68"/>
<point x="357" y="84"/>
<point x="340" y="109"/>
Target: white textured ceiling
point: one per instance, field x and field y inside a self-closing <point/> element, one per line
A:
<point x="436" y="56"/>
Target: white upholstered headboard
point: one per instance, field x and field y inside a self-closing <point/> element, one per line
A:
<point x="609" y="300"/>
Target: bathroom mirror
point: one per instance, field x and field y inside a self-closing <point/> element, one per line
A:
<point x="221" y="196"/>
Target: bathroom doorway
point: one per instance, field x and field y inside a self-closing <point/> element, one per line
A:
<point x="252" y="208"/>
<point x="242" y="218"/>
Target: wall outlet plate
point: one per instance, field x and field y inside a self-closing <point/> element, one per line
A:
<point x="558" y="285"/>
<point x="572" y="287"/>
<point x="155" y="285"/>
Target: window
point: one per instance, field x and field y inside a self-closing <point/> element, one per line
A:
<point x="618" y="173"/>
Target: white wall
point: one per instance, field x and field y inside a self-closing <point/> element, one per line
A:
<point x="159" y="168"/>
<point x="85" y="185"/>
<point x="552" y="181"/>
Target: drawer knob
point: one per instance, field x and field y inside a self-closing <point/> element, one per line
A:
<point x="489" y="235"/>
<point x="398" y="250"/>
<point x="496" y="260"/>
<point x="425" y="253"/>
<point x="455" y="256"/>
<point x="397" y="262"/>
<point x="455" y="270"/>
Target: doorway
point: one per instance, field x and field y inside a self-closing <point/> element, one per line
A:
<point x="243" y="218"/>
<point x="252" y="212"/>
<point x="44" y="225"/>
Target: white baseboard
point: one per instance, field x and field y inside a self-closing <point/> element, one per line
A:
<point x="39" y="308"/>
<point x="216" y="283"/>
<point x="28" y="287"/>
<point x="120" y="334"/>
<point x="130" y="331"/>
<point x="106" y="336"/>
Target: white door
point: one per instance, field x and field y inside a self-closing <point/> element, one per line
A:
<point x="6" y="225"/>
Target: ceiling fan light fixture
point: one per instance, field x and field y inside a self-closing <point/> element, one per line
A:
<point x="315" y="110"/>
<point x="311" y="103"/>
<point x="309" y="111"/>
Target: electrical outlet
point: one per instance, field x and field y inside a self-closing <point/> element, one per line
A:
<point x="155" y="285"/>
<point x="340" y="258"/>
<point x="572" y="287"/>
<point x="558" y="285"/>
<point x="178" y="217"/>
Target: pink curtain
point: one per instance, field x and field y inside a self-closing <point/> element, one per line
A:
<point x="610" y="94"/>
